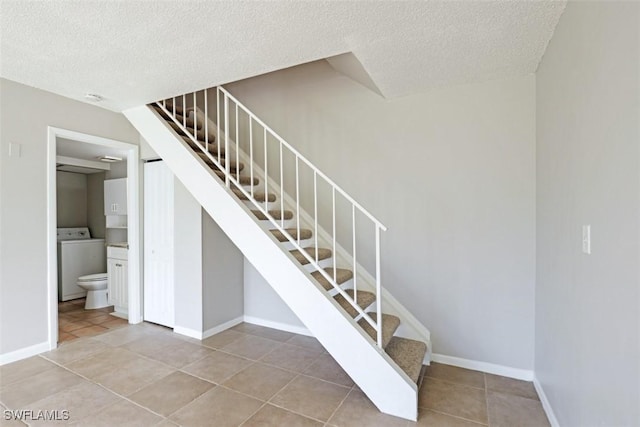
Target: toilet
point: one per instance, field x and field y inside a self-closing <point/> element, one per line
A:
<point x="96" y="287"/>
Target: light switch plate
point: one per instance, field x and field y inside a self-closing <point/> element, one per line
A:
<point x="586" y="239"/>
<point x="14" y="149"/>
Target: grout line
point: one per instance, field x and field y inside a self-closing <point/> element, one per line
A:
<point x="340" y="404"/>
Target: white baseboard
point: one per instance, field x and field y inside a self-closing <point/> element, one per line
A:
<point x="222" y="327"/>
<point x="301" y="330"/>
<point x="546" y="405"/>
<point x="490" y="368"/>
<point x="120" y="315"/>
<point x="200" y="335"/>
<point x="23" y="353"/>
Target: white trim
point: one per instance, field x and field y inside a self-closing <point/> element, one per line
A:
<point x="546" y="405"/>
<point x="490" y="368"/>
<point x="200" y="335"/>
<point x="301" y="330"/>
<point x="222" y="327"/>
<point x="133" y="231"/>
<point x="23" y="353"/>
<point x="72" y="161"/>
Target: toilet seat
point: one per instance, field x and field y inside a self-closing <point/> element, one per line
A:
<point x="93" y="277"/>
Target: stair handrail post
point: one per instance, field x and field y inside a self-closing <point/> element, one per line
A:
<point x="227" y="166"/>
<point x="378" y="289"/>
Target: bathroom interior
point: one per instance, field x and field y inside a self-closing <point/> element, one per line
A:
<point x="91" y="212"/>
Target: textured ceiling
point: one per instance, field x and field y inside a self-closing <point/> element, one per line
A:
<point x="134" y="52"/>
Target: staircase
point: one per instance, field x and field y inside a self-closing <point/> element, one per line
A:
<point x="269" y="200"/>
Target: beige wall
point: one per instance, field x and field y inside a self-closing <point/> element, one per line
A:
<point x="71" y="195"/>
<point x="451" y="173"/>
<point x="25" y="113"/>
<point x="95" y="204"/>
<point x="588" y="168"/>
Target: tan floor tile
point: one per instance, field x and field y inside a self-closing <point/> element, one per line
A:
<point x="259" y="381"/>
<point x="251" y="347"/>
<point x="453" y="399"/>
<point x="291" y="357"/>
<point x="167" y="423"/>
<point x="81" y="401"/>
<point x="90" y="331"/>
<point x="429" y="418"/>
<point x="93" y="314"/>
<point x="100" y="318"/>
<point x="326" y="368"/>
<point x="222" y="339"/>
<point x="171" y="393"/>
<point x="271" y="416"/>
<point x="20" y="394"/>
<point x="455" y="375"/>
<point x="132" y="376"/>
<point x="261" y="331"/>
<point x="311" y="397"/>
<point x="151" y="344"/>
<point x="217" y="367"/>
<point x="507" y="410"/>
<point x="121" y="414"/>
<point x="13" y="420"/>
<point x="219" y="407"/>
<point x="182" y="354"/>
<point x="306" y="342"/>
<point x="511" y="386"/>
<point x="65" y="337"/>
<point x="357" y="410"/>
<point x="72" y="326"/>
<point x="114" y="323"/>
<point x="121" y="336"/>
<point x="75" y="350"/>
<point x="103" y="362"/>
<point x="22" y="369"/>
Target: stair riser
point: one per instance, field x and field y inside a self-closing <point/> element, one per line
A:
<point x="323" y="263"/>
<point x="304" y="243"/>
<point x="288" y="223"/>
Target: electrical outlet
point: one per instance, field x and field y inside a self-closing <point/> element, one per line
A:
<point x="586" y="239"/>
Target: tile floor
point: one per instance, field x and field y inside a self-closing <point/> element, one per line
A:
<point x="74" y="321"/>
<point x="145" y="375"/>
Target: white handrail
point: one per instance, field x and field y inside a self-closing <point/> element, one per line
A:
<point x="224" y="165"/>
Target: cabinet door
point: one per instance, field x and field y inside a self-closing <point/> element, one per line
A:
<point x="158" y="244"/>
<point x="115" y="196"/>
<point x="117" y="279"/>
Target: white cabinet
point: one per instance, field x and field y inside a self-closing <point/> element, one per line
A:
<point x="118" y="279"/>
<point x="159" y="302"/>
<point x="115" y="196"/>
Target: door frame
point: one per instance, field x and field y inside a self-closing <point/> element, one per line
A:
<point x="133" y="220"/>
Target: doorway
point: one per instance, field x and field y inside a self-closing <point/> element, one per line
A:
<point x="60" y="139"/>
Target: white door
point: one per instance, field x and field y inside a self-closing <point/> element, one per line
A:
<point x="158" y="244"/>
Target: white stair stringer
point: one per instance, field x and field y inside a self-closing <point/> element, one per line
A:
<point x="388" y="387"/>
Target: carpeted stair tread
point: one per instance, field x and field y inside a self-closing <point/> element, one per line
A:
<point x="323" y="253"/>
<point x="180" y="118"/>
<point x="389" y="325"/>
<point x="169" y="106"/>
<point x="244" y="180"/>
<point x="201" y="133"/>
<point x="293" y="232"/>
<point x="365" y="299"/>
<point x="259" y="196"/>
<point x="232" y="166"/>
<point x="342" y="275"/>
<point x="275" y="214"/>
<point x="213" y="148"/>
<point x="408" y="355"/>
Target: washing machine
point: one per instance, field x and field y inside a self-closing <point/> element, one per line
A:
<point x="78" y="255"/>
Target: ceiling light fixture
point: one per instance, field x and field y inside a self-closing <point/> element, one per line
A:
<point x="109" y="159"/>
<point x="92" y="97"/>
